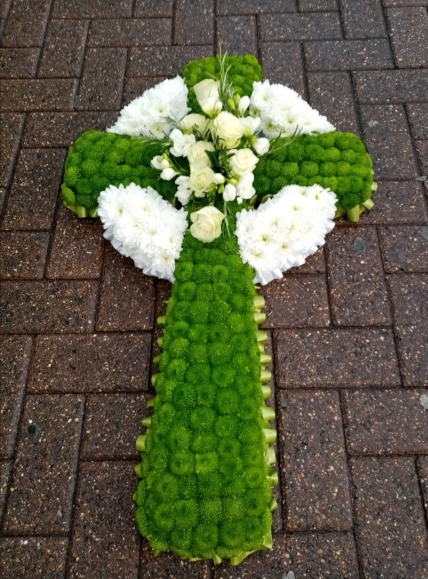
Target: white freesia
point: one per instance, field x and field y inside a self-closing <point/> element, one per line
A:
<point x="251" y="124"/>
<point x="229" y="193"/>
<point x="168" y="174"/>
<point x="261" y="146"/>
<point x="243" y="161"/>
<point x="197" y="154"/>
<point x="228" y="129"/>
<point x="156" y="162"/>
<point x="244" y="103"/>
<point x="244" y="187"/>
<point x="194" y="121"/>
<point x="182" y="143"/>
<point x="201" y="180"/>
<point x="206" y="224"/>
<point x="183" y="192"/>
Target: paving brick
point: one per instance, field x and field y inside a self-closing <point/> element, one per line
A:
<point x="14" y="359"/>
<point x="101" y="83"/>
<point x="338" y="358"/>
<point x="397" y="86"/>
<point x="169" y="566"/>
<point x="2" y="197"/>
<point x="163" y="60"/>
<point x="104" y="541"/>
<point x="237" y="34"/>
<point x="348" y="54"/>
<point x="313" y="462"/>
<point x="93" y="9"/>
<point x="96" y="363"/>
<point x="26" y="23"/>
<point x="5" y="467"/>
<point x="150" y="8"/>
<point x="112" y="423"/>
<point x="332" y="94"/>
<point x="363" y="19"/>
<point x="418" y="117"/>
<point x="387" y="3"/>
<point x="357" y="289"/>
<point x="386" y="422"/>
<point x="315" y="263"/>
<point x="126" y="32"/>
<point x="77" y="247"/>
<point x="305" y="26"/>
<point x="61" y="129"/>
<point x="126" y="296"/>
<point x="18" y="62"/>
<point x="297" y="301"/>
<point x="4" y="8"/>
<point x="423" y="477"/>
<point x="412" y="345"/>
<point x="23" y="255"/>
<point x="42" y="486"/>
<point x="409" y="36"/>
<point x="24" y="557"/>
<point x="387" y="138"/>
<point x="47" y="307"/>
<point x="134" y="87"/>
<point x="64" y="48"/>
<point x="391" y="533"/>
<point x="405" y="249"/>
<point x="10" y="134"/>
<point x="397" y="202"/>
<point x="283" y="63"/>
<point x="422" y="149"/>
<point x="37" y="95"/>
<point x="225" y="7"/>
<point x="201" y="13"/>
<point x="34" y="192"/>
<point x="317" y="5"/>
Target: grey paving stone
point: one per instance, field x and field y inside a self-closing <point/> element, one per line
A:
<point x="348" y="54"/>
<point x="318" y="5"/>
<point x="5" y="467"/>
<point x="409" y="36"/>
<point x="283" y="63"/>
<point x="23" y="254"/>
<point x="237" y="34"/>
<point x="306" y="26"/>
<point x="397" y="202"/>
<point x="93" y="9"/>
<point x="130" y="32"/>
<point x="200" y="13"/>
<point x="398" y="86"/>
<point x="405" y="248"/>
<point x="24" y="557"/>
<point x="11" y="126"/>
<point x="53" y="94"/>
<point x="422" y="150"/>
<point x="363" y="19"/>
<point x="149" y="8"/>
<point x="226" y="7"/>
<point x="163" y="60"/>
<point x="418" y="117"/>
<point x="18" y="62"/>
<point x="26" y="23"/>
<point x="64" y="48"/>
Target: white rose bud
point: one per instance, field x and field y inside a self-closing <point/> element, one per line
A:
<point x="261" y="146"/>
<point x="197" y="155"/>
<point x="207" y="93"/>
<point x="206" y="224"/>
<point x="218" y="178"/>
<point x="228" y="128"/>
<point x="165" y="164"/>
<point x="244" y="188"/>
<point x="156" y="162"/>
<point x="201" y="180"/>
<point x="194" y="121"/>
<point x="168" y="174"/>
<point x="244" y="103"/>
<point x="243" y="162"/>
<point x="229" y="192"/>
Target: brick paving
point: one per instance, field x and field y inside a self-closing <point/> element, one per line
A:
<point x="348" y="330"/>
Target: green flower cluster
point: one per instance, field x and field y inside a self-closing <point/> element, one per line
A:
<point x="206" y="483"/>
<point x="337" y="161"/>
<point x="243" y="71"/>
<point x="97" y="160"/>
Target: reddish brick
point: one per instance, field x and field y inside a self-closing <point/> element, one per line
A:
<point x="112" y="423"/>
<point x="64" y="48"/>
<point x="409" y="36"/>
<point x="357" y="287"/>
<point x="61" y="129"/>
<point x="363" y="19"/>
<point x="348" y="54"/>
<point x="305" y="26"/>
<point x="47" y="307"/>
<point x="10" y="135"/>
<point x="149" y="31"/>
<point x="423" y="477"/>
<point x="77" y="247"/>
<point x="93" y="9"/>
<point x="397" y="86"/>
<point x="101" y="83"/>
<point x="26" y="23"/>
<point x="282" y="62"/>
<point x="332" y="94"/>
<point x="202" y="14"/>
<point x="397" y="202"/>
<point x="391" y="534"/>
<point x="134" y="87"/>
<point x="412" y="343"/>
<point x="422" y="149"/>
<point x="297" y="301"/>
<point x="23" y="255"/>
<point x="418" y="117"/>
<point x="150" y="8"/>
<point x="5" y="468"/>
<point x="405" y="248"/>
<point x="237" y="34"/>
<point x="18" y="62"/>
<point x="14" y="359"/>
<point x="26" y="557"/>
<point x="37" y="95"/>
<point x="42" y="487"/>
<point x="168" y="566"/>
<point x="104" y="541"/>
<point x="317" y="5"/>
<point x="96" y="363"/>
<point x="163" y="60"/>
<point x="409" y="296"/>
<point x="386" y="422"/>
<point x="388" y="141"/>
<point x="345" y="358"/>
<point x="225" y="7"/>
<point x="126" y="297"/>
<point x="34" y="192"/>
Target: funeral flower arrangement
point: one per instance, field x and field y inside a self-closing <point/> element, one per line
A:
<point x="215" y="180"/>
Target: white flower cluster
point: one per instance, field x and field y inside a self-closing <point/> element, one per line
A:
<point x="149" y="114"/>
<point x="283" y="112"/>
<point x="285" y="230"/>
<point x="140" y="224"/>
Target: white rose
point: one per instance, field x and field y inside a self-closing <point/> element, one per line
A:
<point x="197" y="155"/>
<point x="207" y="94"/>
<point x="201" y="179"/>
<point x="229" y="192"/>
<point x="206" y="224"/>
<point x="194" y="121"/>
<point x="244" y="188"/>
<point x="243" y="162"/>
<point x="228" y="128"/>
<point x="182" y="143"/>
<point x="261" y="146"/>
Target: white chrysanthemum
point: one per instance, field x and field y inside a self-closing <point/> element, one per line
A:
<point x="285" y="230"/>
<point x="140" y="224"/>
<point x="283" y="112"/>
<point x="149" y="114"/>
